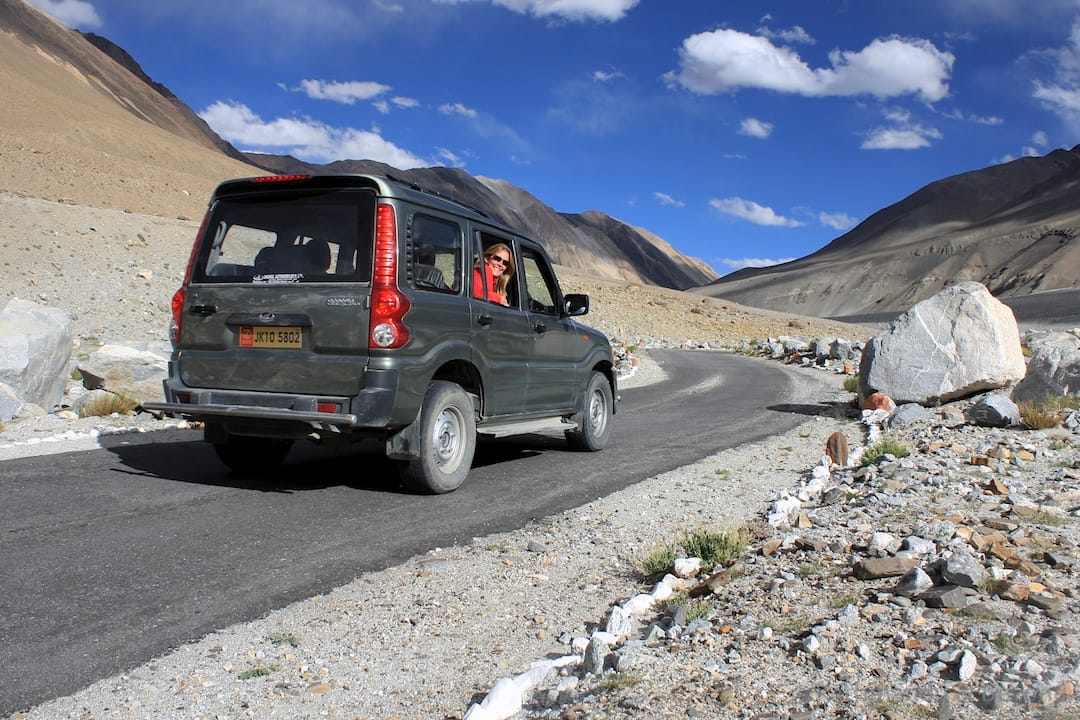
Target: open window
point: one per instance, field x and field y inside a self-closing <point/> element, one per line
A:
<point x="495" y="269"/>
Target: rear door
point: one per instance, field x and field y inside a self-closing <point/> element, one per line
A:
<point x="502" y="338"/>
<point x="278" y="294"/>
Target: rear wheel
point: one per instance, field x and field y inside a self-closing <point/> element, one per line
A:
<point x="594" y="419"/>
<point x="252" y="455"/>
<point x="447" y="441"/>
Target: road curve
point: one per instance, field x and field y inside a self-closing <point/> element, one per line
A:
<point x="112" y="557"/>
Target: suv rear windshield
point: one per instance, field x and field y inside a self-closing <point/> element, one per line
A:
<point x="292" y="237"/>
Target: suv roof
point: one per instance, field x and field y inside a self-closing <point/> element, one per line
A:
<point x="386" y="185"/>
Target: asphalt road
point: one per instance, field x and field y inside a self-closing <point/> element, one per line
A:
<point x="112" y="557"/>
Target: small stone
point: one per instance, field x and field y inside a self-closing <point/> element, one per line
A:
<point x="875" y="568"/>
<point x="968" y="664"/>
<point x="913" y="582"/>
<point x="945" y="596"/>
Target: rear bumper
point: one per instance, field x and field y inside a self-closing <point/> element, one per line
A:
<point x="244" y="412"/>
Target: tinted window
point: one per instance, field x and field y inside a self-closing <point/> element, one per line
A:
<point x="436" y="255"/>
<point x="288" y="238"/>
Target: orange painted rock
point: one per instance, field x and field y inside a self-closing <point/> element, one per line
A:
<point x="878" y="401"/>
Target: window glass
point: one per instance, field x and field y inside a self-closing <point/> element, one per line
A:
<point x="539" y="284"/>
<point x="436" y="255"/>
<point x="288" y="238"/>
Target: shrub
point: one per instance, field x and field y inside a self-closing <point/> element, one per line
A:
<point x="283" y="638"/>
<point x="656" y="561"/>
<point x="851" y="384"/>
<point x="613" y="682"/>
<point x="255" y="672"/>
<point x="1047" y="413"/>
<point x="105" y="404"/>
<point x="714" y="547"/>
<point x="884" y="446"/>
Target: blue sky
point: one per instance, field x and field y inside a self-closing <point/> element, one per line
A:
<point x="741" y="133"/>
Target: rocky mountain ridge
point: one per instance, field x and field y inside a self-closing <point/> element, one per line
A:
<point x="1011" y="227"/>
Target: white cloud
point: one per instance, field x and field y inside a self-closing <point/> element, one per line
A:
<point x="449" y="158"/>
<point x="740" y="263"/>
<point x="405" y="103"/>
<point x="986" y="120"/>
<point x="752" y="212"/>
<point x="900" y="138"/>
<point x="728" y="60"/>
<point x="605" y="76"/>
<point x="837" y="221"/>
<point x="1039" y="138"/>
<point x="792" y="36"/>
<point x="73" y="13"/>
<point x="346" y="93"/>
<point x="577" y="10"/>
<point x="457" y="109"/>
<point x="304" y="138"/>
<point x="666" y="199"/>
<point x="1061" y="95"/>
<point x="755" y="128"/>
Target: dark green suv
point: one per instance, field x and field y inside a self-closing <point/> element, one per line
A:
<point x="343" y="307"/>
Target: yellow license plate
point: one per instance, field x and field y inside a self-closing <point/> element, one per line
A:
<point x="271" y="337"/>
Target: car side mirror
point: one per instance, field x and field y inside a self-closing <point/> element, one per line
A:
<point x="577" y="304"/>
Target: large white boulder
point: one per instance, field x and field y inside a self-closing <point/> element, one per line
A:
<point x="957" y="343"/>
<point x="124" y="370"/>
<point x="35" y="346"/>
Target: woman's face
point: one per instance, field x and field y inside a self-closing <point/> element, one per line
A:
<point x="498" y="261"/>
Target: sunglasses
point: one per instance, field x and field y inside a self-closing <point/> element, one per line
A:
<point x="498" y="259"/>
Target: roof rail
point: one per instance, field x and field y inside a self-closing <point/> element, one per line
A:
<point x="420" y="188"/>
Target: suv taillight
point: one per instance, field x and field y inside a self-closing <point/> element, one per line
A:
<point x="180" y="295"/>
<point x="388" y="303"/>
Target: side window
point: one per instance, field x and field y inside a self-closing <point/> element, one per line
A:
<point x="542" y="292"/>
<point x="436" y="255"/>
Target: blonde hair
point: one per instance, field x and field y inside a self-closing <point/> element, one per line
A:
<point x="504" y="279"/>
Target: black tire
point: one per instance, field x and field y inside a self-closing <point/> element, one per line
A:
<point x="252" y="455"/>
<point x="595" y="416"/>
<point x="447" y="441"/>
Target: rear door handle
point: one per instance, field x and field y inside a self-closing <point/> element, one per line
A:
<point x="204" y="309"/>
<point x="540" y="327"/>
<point x="484" y="319"/>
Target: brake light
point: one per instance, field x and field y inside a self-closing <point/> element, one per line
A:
<point x="388" y="303"/>
<point x="279" y="178"/>
<point x="181" y="294"/>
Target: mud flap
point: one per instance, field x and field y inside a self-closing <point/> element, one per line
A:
<point x="405" y="443"/>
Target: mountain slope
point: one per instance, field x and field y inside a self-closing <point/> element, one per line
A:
<point x="1011" y="227"/>
<point x="67" y="110"/>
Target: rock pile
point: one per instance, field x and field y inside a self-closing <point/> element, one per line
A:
<point x="939" y="580"/>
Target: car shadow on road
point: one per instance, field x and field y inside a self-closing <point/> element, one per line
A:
<point x="362" y="466"/>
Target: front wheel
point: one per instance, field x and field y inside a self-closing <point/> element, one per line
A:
<point x="447" y="441"/>
<point x="594" y="419"/>
<point x="252" y="455"/>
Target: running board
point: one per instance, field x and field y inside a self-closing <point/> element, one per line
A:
<point x="522" y="427"/>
